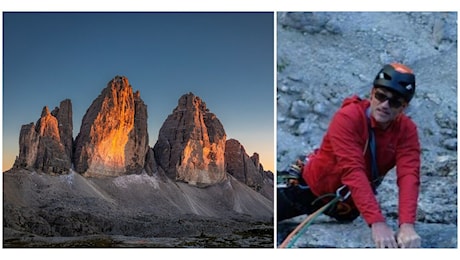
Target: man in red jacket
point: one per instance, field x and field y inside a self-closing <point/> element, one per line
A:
<point x="344" y="161"/>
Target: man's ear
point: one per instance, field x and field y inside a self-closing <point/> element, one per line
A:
<point x="401" y="109"/>
<point x="371" y="94"/>
<point x="404" y="106"/>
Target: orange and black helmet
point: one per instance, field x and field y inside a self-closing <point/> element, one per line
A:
<point x="398" y="78"/>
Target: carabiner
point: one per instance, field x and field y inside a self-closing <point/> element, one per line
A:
<point x="339" y="195"/>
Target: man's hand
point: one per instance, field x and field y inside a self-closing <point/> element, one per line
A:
<point x="295" y="173"/>
<point x="383" y="236"/>
<point x="407" y="237"/>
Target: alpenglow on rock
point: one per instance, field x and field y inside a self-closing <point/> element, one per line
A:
<point x="47" y="145"/>
<point x="113" y="138"/>
<point x="191" y="144"/>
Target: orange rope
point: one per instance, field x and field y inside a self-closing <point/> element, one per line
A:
<point x="312" y="216"/>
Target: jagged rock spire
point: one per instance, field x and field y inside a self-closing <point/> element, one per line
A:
<point x="113" y="138"/>
<point x="63" y="113"/>
<point x="191" y="144"/>
<point x="241" y="166"/>
<point x="45" y="146"/>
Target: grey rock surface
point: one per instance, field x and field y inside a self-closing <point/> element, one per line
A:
<point x="327" y="233"/>
<point x="324" y="57"/>
<point x="44" y="146"/>
<point x="41" y="210"/>
<point x="239" y="164"/>
<point x="191" y="144"/>
<point x="138" y="142"/>
<point x="63" y="114"/>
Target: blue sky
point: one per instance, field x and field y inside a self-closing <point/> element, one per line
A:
<point x="227" y="59"/>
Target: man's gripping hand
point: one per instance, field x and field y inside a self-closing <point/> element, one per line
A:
<point x="407" y="237"/>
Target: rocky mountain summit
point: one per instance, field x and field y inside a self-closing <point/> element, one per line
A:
<point x="113" y="138"/>
<point x="47" y="145"/>
<point x="191" y="144"/>
<point x="325" y="57"/>
<point x="109" y="185"/>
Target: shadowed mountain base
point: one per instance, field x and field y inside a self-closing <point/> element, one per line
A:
<point x="131" y="211"/>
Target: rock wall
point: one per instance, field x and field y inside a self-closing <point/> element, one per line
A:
<point x="138" y="142"/>
<point x="63" y="113"/>
<point x="191" y="144"/>
<point x="44" y="146"/>
<point x="247" y="170"/>
<point x="241" y="166"/>
<point x="113" y="135"/>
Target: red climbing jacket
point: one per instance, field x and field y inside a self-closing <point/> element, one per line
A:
<point x="340" y="160"/>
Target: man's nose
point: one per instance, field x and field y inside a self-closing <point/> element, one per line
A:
<point x="386" y="103"/>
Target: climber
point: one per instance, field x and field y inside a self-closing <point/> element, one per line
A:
<point x="363" y="133"/>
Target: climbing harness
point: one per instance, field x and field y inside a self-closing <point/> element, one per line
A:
<point x="287" y="178"/>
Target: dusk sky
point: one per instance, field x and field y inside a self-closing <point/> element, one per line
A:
<point x="227" y="59"/>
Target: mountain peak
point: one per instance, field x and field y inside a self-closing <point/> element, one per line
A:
<point x="42" y="145"/>
<point x="191" y="144"/>
<point x="106" y="143"/>
<point x="45" y="111"/>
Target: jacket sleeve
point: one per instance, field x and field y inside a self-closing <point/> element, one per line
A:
<point x="408" y="172"/>
<point x="348" y="140"/>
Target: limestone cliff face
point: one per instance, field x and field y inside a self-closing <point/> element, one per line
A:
<point x="191" y="144"/>
<point x="248" y="169"/>
<point x="42" y="146"/>
<point x="241" y="166"/>
<point x="113" y="135"/>
<point x="63" y="114"/>
<point x="137" y="147"/>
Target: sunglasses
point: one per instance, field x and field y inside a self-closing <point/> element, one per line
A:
<point x="392" y="101"/>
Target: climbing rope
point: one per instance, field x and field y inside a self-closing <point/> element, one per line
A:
<point x="290" y="240"/>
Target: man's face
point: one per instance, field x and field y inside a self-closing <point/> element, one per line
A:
<point x="385" y="106"/>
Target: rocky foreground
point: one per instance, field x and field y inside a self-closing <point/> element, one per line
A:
<point x="435" y="221"/>
<point x="40" y="210"/>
